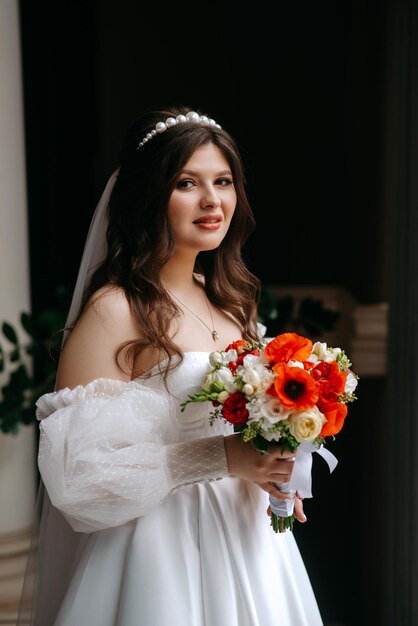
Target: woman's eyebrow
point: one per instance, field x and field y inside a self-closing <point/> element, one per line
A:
<point x="193" y="173"/>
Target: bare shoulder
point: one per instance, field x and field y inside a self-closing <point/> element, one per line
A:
<point x="91" y="347"/>
<point x="109" y="307"/>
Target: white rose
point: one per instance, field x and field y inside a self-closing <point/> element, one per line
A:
<point x="272" y="410"/>
<point x="306" y="425"/>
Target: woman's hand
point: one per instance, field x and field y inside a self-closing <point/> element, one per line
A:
<point x="246" y="462"/>
<point x="298" y="510"/>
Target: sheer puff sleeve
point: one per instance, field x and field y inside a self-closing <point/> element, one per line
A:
<point x="104" y="457"/>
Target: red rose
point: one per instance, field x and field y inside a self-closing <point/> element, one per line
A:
<point x="235" y="409"/>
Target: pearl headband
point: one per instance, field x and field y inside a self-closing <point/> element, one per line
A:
<point x="161" y="127"/>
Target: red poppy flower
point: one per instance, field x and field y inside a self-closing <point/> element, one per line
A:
<point x="288" y="346"/>
<point x="295" y="388"/>
<point x="335" y="414"/>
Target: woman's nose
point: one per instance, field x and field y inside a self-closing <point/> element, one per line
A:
<point x="210" y="198"/>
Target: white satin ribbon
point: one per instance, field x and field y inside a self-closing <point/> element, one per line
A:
<point x="301" y="480"/>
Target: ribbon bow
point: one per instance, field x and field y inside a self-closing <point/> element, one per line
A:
<point x="301" y="480"/>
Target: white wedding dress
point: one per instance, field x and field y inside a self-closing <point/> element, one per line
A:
<point x="156" y="533"/>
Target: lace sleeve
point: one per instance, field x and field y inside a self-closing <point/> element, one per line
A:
<point x="103" y="457"/>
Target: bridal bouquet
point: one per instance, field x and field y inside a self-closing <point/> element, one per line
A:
<point x="286" y="391"/>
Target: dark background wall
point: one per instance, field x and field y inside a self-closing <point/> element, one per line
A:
<point x="299" y="87"/>
<point x="302" y="89"/>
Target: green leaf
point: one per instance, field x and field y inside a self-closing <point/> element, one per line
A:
<point x="261" y="444"/>
<point x="15" y="355"/>
<point x="20" y="390"/>
<point x="10" y="333"/>
<point x="27" y="323"/>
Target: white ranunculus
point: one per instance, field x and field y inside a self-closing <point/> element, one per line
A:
<point x="306" y="425"/>
<point x="350" y="383"/>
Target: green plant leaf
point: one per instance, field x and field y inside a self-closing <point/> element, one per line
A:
<point x="27" y="323"/>
<point x="20" y="391"/>
<point x="10" y="333"/>
<point x="15" y="355"/>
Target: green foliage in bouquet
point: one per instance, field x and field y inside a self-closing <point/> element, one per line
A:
<point x="29" y="366"/>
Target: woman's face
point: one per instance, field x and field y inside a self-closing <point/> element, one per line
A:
<point x="203" y="201"/>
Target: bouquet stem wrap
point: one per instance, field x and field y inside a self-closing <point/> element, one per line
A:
<point x="282" y="511"/>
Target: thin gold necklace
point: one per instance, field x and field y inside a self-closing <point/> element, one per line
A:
<point x="213" y="332"/>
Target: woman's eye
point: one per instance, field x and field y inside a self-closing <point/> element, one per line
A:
<point x="185" y="183"/>
<point x="224" y="181"/>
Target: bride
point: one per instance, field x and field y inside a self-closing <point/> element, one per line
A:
<point x="150" y="516"/>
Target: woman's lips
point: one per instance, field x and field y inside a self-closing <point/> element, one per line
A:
<point x="208" y="223"/>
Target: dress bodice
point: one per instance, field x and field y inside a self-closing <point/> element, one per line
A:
<point x="187" y="378"/>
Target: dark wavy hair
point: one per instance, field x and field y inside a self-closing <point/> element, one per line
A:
<point x="140" y="240"/>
